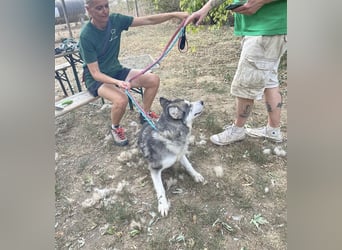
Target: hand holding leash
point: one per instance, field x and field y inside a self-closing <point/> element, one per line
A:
<point x="125" y="85"/>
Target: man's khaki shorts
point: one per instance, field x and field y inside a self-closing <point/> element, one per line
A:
<point x="258" y="65"/>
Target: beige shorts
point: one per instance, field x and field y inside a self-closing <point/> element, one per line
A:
<point x="258" y="65"/>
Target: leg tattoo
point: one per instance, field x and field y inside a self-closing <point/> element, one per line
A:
<point x="246" y="112"/>
<point x="268" y="107"/>
<point x="280" y="104"/>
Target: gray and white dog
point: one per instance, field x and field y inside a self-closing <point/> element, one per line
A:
<point x="168" y="143"/>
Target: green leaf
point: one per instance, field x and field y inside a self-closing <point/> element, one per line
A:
<point x="258" y="220"/>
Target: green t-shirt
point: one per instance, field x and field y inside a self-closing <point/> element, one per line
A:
<point x="92" y="41"/>
<point x="270" y="19"/>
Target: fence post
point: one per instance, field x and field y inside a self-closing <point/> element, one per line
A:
<point x="66" y="18"/>
<point x="136" y="7"/>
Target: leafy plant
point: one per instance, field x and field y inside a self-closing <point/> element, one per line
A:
<point x="166" y="5"/>
<point x="258" y="220"/>
<point x="178" y="238"/>
<point x="218" y="16"/>
<point x="221" y="226"/>
<point x="134" y="232"/>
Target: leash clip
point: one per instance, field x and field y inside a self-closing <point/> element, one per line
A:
<point x="182" y="42"/>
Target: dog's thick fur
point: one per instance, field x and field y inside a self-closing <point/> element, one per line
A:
<point x="168" y="143"/>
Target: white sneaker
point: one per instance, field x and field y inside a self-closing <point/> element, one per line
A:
<point x="273" y="134"/>
<point x="230" y="134"/>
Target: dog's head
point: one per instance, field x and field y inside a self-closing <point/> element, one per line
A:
<point x="180" y="109"/>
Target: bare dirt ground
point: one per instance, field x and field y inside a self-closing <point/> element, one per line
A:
<point x="104" y="194"/>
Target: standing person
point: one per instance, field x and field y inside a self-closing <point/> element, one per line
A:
<point x="103" y="74"/>
<point x="263" y="26"/>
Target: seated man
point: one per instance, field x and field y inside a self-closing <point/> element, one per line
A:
<point x="104" y="75"/>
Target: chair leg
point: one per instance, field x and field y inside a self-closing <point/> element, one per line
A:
<point x="59" y="78"/>
<point x="68" y="81"/>
<point x="136" y="90"/>
<point x="130" y="104"/>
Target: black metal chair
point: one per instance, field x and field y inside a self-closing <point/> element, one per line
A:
<point x="62" y="77"/>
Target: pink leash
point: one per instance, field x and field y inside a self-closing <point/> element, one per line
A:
<point x="166" y="50"/>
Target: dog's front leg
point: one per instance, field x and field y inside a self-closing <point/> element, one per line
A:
<point x="187" y="165"/>
<point x="163" y="204"/>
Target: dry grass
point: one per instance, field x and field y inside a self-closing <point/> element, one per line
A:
<point x="216" y="215"/>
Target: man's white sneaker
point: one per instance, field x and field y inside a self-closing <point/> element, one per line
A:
<point x="273" y="134"/>
<point x="230" y="134"/>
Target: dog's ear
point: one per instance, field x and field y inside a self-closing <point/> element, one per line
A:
<point x="163" y="101"/>
<point x="175" y="112"/>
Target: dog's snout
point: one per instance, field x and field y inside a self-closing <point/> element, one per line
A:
<point x="201" y="102"/>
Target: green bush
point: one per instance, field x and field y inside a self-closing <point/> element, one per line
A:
<point x="166" y="5"/>
<point x="218" y="16"/>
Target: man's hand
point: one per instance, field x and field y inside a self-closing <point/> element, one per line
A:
<point x="197" y="17"/>
<point x="124" y="85"/>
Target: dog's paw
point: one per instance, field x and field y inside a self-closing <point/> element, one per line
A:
<point x="198" y="177"/>
<point x="163" y="207"/>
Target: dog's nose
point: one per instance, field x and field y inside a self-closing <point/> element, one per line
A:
<point x="202" y="103"/>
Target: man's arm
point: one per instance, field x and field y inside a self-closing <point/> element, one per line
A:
<point x="101" y="77"/>
<point x="158" y="18"/>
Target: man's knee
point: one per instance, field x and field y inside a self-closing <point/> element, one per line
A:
<point x="121" y="102"/>
<point x="155" y="81"/>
